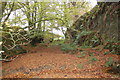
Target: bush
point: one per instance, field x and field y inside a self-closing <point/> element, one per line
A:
<point x="85" y="46"/>
<point x="109" y="63"/>
<point x="114" y="66"/>
<point x="81" y="55"/>
<point x="106" y="53"/>
<point x="57" y="42"/>
<point x="69" y="48"/>
<point x="113" y="46"/>
<point x="93" y="59"/>
<point x="88" y="38"/>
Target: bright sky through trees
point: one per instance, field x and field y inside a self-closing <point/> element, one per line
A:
<point x="19" y="12"/>
<point x="93" y="2"/>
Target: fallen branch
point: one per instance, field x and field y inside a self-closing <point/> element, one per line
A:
<point x="9" y="60"/>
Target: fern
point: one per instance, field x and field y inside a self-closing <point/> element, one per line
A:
<point x="109" y="63"/>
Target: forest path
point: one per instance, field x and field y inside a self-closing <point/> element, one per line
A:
<point x="51" y="62"/>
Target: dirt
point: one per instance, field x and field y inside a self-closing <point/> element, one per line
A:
<point x="45" y="61"/>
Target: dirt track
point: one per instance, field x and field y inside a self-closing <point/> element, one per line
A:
<point x="51" y="62"/>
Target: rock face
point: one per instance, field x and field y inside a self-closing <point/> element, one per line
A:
<point x="102" y="19"/>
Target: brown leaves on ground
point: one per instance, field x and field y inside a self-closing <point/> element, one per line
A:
<point x="51" y="62"/>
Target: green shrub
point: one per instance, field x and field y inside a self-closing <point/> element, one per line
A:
<point x="113" y="46"/>
<point x="81" y="55"/>
<point x="58" y="42"/>
<point x="93" y="59"/>
<point x="88" y="38"/>
<point x="105" y="53"/>
<point x="114" y="66"/>
<point x="85" y="46"/>
<point x="109" y="63"/>
<point x="69" y="48"/>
